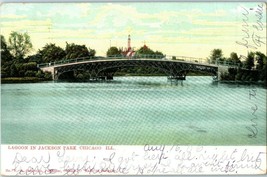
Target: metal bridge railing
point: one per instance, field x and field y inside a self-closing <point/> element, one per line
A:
<point x="138" y="56"/>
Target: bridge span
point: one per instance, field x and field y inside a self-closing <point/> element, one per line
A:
<point x="105" y="68"/>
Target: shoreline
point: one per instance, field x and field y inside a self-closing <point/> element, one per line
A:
<point x="15" y="80"/>
<point x="242" y="82"/>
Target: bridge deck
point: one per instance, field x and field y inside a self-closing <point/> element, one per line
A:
<point x="179" y="59"/>
<point x="174" y="67"/>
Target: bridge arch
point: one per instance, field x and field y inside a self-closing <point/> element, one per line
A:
<point x="116" y="68"/>
<point x="169" y="67"/>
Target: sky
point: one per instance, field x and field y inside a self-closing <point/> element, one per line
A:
<point x="174" y="28"/>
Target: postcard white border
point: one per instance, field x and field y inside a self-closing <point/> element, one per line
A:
<point x="43" y="160"/>
<point x="230" y="160"/>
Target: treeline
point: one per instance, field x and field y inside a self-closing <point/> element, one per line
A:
<point x="17" y="66"/>
<point x="144" y="50"/>
<point x="250" y="68"/>
<point x="146" y="71"/>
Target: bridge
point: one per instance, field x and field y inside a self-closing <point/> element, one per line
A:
<point x="175" y="67"/>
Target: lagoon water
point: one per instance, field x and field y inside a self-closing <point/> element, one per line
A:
<point x="132" y="111"/>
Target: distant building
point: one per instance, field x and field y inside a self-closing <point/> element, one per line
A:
<point x="129" y="51"/>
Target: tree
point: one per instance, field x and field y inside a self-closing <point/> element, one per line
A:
<point x="13" y="71"/>
<point x="51" y="53"/>
<point x="264" y="70"/>
<point x="35" y="58"/>
<point x="158" y="54"/>
<point x="145" y="51"/>
<point x="260" y="58"/>
<point x="19" y="44"/>
<point x="92" y="52"/>
<point x="76" y="51"/>
<point x="249" y="63"/>
<point x="234" y="58"/>
<point x="113" y="51"/>
<point x="216" y="55"/>
<point x="5" y="53"/>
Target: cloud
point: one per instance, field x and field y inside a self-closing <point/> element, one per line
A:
<point x="29" y="26"/>
<point x="84" y="9"/>
<point x="25" y="24"/>
<point x="117" y="15"/>
<point x="13" y="16"/>
<point x="64" y="10"/>
<point x="166" y="28"/>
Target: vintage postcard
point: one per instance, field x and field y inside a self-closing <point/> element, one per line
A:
<point x="133" y="88"/>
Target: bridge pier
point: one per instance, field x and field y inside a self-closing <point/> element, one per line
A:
<point x="51" y="70"/>
<point x="178" y="76"/>
<point x="181" y="77"/>
<point x="221" y="70"/>
<point x="106" y="75"/>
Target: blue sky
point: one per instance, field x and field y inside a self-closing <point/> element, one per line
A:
<point x="181" y="29"/>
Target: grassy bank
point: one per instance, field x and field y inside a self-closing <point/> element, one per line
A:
<point x="22" y="80"/>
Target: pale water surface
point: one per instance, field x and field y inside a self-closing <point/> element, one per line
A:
<point x="132" y="111"/>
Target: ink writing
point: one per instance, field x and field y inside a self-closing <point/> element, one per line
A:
<point x="252" y="39"/>
<point x="146" y="160"/>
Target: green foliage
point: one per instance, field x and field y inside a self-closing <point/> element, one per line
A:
<point x="21" y="79"/>
<point x="113" y="51"/>
<point x="51" y="53"/>
<point x="234" y="59"/>
<point x="5" y="53"/>
<point x="232" y="72"/>
<point x="40" y="74"/>
<point x="30" y="73"/>
<point x="92" y="52"/>
<point x="14" y="62"/>
<point x="158" y="53"/>
<point x="263" y="72"/>
<point x="35" y="58"/>
<point x="216" y="55"/>
<point x="21" y="73"/>
<point x="5" y="71"/>
<point x="29" y="66"/>
<point x="19" y="44"/>
<point x="77" y="51"/>
<point x="47" y="75"/>
<point x="249" y="62"/>
<point x="247" y="74"/>
<point x="261" y="60"/>
<point x="13" y="71"/>
<point x="147" y="51"/>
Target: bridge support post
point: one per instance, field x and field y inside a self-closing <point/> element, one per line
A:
<point x="177" y="77"/>
<point x="50" y="70"/>
<point x="221" y="71"/>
